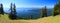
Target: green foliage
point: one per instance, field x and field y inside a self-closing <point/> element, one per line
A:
<point x="44" y="12"/>
<point x="13" y="11"/>
<point x="1" y="9"/>
<point x="57" y="9"/>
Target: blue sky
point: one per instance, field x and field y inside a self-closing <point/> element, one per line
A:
<point x="29" y="3"/>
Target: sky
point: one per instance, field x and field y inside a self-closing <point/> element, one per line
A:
<point x="29" y="3"/>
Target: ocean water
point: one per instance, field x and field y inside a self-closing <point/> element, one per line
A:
<point x="27" y="12"/>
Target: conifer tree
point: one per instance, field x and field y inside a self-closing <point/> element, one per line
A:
<point x="57" y="8"/>
<point x="10" y="15"/>
<point x="31" y="17"/>
<point x="44" y="12"/>
<point x="1" y="9"/>
<point x="13" y="11"/>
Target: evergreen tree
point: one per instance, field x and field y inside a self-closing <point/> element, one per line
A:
<point x="31" y="16"/>
<point x="10" y="15"/>
<point x="57" y="9"/>
<point x="13" y="11"/>
<point x="1" y="9"/>
<point x="44" y="12"/>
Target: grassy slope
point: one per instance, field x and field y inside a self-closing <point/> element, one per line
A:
<point x="4" y="19"/>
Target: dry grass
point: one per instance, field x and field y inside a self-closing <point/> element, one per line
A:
<point x="4" y="19"/>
